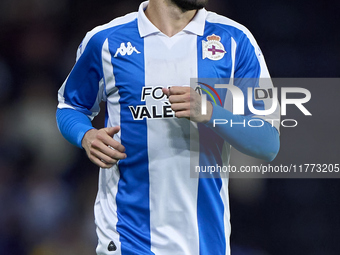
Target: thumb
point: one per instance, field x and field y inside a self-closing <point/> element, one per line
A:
<point x="166" y="91"/>
<point x="112" y="130"/>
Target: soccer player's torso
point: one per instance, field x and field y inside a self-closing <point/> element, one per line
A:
<point x="158" y="207"/>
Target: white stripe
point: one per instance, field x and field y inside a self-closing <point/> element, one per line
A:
<point x="106" y="206"/>
<point x="96" y="107"/>
<point x="226" y="216"/>
<point x="224" y="193"/>
<point x="105" y="210"/>
<point x="233" y="56"/>
<point x="63" y="105"/>
<point x="173" y="194"/>
<point x="204" y="104"/>
<point x="110" y="92"/>
<point x="109" y="78"/>
<point x="61" y="98"/>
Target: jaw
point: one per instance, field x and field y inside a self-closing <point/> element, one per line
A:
<point x="188" y="5"/>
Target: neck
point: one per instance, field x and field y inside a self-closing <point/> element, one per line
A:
<point x="168" y="17"/>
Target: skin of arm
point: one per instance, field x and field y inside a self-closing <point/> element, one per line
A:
<point x="262" y="142"/>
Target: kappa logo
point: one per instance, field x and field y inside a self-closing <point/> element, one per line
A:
<point x="213" y="49"/>
<point x="128" y="49"/>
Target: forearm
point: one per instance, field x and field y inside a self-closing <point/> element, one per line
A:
<point x="261" y="142"/>
<point x="73" y="125"/>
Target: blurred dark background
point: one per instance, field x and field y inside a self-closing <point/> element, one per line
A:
<point x="48" y="187"/>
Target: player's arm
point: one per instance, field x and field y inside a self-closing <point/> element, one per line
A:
<point x="79" y="99"/>
<point x="250" y="71"/>
<point x="261" y="142"/>
<point x="99" y="145"/>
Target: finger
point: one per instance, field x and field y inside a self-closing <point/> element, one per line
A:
<point x="104" y="151"/>
<point x="100" y="146"/>
<point x="107" y="140"/>
<point x="104" y="158"/>
<point x="177" y="90"/>
<point x="180" y="98"/>
<point x="101" y="163"/>
<point x="111" y="131"/>
<point x="180" y="106"/>
<point x="115" y="154"/>
<point x="114" y="145"/>
<point x="166" y="92"/>
<point x="183" y="114"/>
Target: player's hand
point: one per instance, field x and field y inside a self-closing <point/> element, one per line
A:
<point x="186" y="103"/>
<point x="101" y="148"/>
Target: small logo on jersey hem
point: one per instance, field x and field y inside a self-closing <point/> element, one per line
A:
<point x="128" y="49"/>
<point x="112" y="246"/>
<point x="213" y="48"/>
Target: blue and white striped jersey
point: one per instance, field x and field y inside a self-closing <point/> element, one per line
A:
<point x="148" y="204"/>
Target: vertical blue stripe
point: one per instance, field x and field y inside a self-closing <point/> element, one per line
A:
<point x="82" y="84"/>
<point x="210" y="207"/>
<point x="106" y="114"/>
<point x="132" y="198"/>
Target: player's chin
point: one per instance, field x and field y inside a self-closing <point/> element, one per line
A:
<point x="187" y="5"/>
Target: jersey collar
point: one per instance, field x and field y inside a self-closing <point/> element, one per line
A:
<point x="145" y="27"/>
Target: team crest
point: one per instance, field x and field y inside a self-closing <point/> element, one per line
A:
<point x="213" y="48"/>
